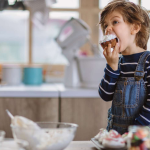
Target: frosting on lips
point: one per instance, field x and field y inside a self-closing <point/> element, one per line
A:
<point x="108" y="38"/>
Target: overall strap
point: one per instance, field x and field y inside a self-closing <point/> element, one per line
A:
<point x="120" y="58"/>
<point x="139" y="72"/>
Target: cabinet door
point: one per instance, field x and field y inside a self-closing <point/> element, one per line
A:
<point x="89" y="113"/>
<point x="36" y="109"/>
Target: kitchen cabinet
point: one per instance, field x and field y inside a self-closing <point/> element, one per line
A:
<point x="36" y="109"/>
<point x="89" y="113"/>
<point x="55" y="103"/>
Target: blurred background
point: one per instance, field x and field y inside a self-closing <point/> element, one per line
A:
<point x="21" y="44"/>
<point x="26" y="40"/>
<point x="51" y="63"/>
<point x="29" y="28"/>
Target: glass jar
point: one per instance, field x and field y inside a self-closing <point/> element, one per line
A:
<point x="138" y="138"/>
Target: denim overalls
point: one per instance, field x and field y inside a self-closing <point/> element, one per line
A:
<point x="129" y="97"/>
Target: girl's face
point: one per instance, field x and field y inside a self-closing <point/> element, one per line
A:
<point x="114" y="24"/>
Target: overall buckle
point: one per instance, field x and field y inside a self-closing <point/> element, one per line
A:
<point x="138" y="78"/>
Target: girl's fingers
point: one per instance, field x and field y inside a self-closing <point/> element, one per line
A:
<point x="116" y="49"/>
<point x="104" y="52"/>
<point x="109" y="50"/>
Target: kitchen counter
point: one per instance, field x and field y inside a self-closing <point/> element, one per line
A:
<point x="77" y="92"/>
<point x="44" y="90"/>
<point x="75" y="145"/>
<point x="55" y="103"/>
<point x="47" y="90"/>
<point x="81" y="145"/>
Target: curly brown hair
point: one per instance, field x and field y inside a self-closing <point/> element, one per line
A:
<point x="133" y="14"/>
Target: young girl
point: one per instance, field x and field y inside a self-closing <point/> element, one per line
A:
<point x="126" y="80"/>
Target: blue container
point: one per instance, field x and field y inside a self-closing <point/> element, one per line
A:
<point x="32" y="75"/>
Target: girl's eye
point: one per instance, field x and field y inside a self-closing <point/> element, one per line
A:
<point x="105" y="26"/>
<point x="115" y="22"/>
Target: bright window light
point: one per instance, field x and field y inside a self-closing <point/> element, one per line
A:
<point x="14" y="36"/>
<point x="65" y="15"/>
<point x="103" y="3"/>
<point x="11" y="2"/>
<point x="66" y="4"/>
<point x="146" y="4"/>
<point x="134" y="1"/>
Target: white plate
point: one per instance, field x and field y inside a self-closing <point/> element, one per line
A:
<point x="101" y="147"/>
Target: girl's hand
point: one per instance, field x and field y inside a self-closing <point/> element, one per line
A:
<point x="112" y="57"/>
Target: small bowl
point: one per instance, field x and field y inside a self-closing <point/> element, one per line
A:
<point x="50" y="136"/>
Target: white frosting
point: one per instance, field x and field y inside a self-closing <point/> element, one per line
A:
<point x="114" y="134"/>
<point x="125" y="136"/>
<point x="101" y="135"/>
<point x="97" y="136"/>
<point x="104" y="135"/>
<point x="108" y="38"/>
<point x="113" y="142"/>
<point x="19" y="121"/>
<point x="111" y="139"/>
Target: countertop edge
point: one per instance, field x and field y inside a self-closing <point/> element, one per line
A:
<point x="47" y="90"/>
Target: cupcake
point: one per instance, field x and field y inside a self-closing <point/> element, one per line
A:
<point x="113" y="140"/>
<point x="109" y="39"/>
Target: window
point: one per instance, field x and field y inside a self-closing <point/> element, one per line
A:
<point x="103" y="3"/>
<point x="14" y="36"/>
<point x="66" y="4"/>
<point x="14" y="29"/>
<point x="134" y="1"/>
<point x="145" y="4"/>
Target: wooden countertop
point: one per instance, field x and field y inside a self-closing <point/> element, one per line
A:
<point x="74" y="145"/>
<point x="81" y="145"/>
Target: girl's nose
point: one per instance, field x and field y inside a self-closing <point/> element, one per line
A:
<point x="108" y="30"/>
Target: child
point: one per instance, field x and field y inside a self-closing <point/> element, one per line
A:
<point x="127" y="79"/>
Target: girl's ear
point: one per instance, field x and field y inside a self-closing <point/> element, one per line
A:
<point x="135" y="28"/>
